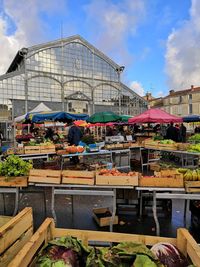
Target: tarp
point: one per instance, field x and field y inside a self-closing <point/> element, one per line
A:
<point x="124" y="118"/>
<point x="155" y="116"/>
<point x="55" y="116"/>
<point x="39" y="108"/>
<point x="104" y="116"/>
<point x="191" y="118"/>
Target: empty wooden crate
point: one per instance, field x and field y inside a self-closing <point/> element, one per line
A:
<point x="78" y="177"/>
<point x="15" y="233"/>
<point x="117" y="180"/>
<point x="44" y="176"/>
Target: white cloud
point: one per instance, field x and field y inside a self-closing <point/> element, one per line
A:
<point x="137" y="88"/>
<point x="112" y="24"/>
<point x="182" y="55"/>
<point x="160" y="94"/>
<point x="30" y="29"/>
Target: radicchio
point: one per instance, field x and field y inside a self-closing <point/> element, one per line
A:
<point x="169" y="255"/>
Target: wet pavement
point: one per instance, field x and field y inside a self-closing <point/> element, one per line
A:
<point x="129" y="221"/>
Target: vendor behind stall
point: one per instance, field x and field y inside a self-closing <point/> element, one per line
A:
<point x="74" y="137"/>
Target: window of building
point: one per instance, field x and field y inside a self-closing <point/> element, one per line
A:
<point x="190" y="108"/>
<point x="190" y="96"/>
<point x="180" y="99"/>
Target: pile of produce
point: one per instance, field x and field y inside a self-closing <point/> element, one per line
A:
<point x="190" y="175"/>
<point x="14" y="166"/>
<point x="167" y="142"/>
<point x="194" y="148"/>
<point x="115" y="172"/>
<point x="157" y="138"/>
<point x="194" y="138"/>
<point x="75" y="149"/>
<point x="70" y="252"/>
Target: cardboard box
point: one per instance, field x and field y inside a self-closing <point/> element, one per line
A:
<point x="103" y="216"/>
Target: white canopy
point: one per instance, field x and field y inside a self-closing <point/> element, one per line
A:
<point x="41" y="107"/>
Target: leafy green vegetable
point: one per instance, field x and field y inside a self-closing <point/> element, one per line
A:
<point x="144" y="261"/>
<point x="195" y="137"/>
<point x="14" y="166"/>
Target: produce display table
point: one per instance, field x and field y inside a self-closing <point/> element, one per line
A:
<point x="121" y="153"/>
<point x="185" y="155"/>
<point x="166" y="193"/>
<point x="99" y="153"/>
<point x="84" y="190"/>
<point x="37" y="156"/>
<point x="11" y="190"/>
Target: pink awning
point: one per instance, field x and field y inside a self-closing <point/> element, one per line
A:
<point x="155" y="115"/>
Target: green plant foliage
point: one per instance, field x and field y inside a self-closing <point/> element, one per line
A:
<point x="15" y="166"/>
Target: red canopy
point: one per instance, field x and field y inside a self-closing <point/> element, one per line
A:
<point x="155" y="115"/>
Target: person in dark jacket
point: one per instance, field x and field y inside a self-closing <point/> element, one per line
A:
<point x="74" y="135"/>
<point x="172" y="133"/>
<point x="183" y="133"/>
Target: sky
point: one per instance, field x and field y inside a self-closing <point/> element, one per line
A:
<point x="157" y="41"/>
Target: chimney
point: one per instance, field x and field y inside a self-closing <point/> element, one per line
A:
<point x="171" y="92"/>
<point x="192" y="87"/>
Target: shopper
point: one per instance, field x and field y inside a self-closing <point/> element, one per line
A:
<point x="172" y="133"/>
<point x="1" y="138"/>
<point x="183" y="133"/>
<point x="74" y="137"/>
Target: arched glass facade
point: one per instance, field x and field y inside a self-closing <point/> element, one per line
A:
<point x="53" y="72"/>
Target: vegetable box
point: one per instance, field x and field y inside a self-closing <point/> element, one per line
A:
<point x="117" y="180"/>
<point x="78" y="177"/>
<point x="15" y="233"/>
<point x="47" y="148"/>
<point x="44" y="176"/>
<point x="152" y="181"/>
<point x="192" y="186"/>
<point x="47" y="231"/>
<point x="20" y="181"/>
<point x="32" y="149"/>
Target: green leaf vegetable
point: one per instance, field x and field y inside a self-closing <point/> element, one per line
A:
<point x="14" y="166"/>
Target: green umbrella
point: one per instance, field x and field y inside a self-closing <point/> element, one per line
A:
<point x="124" y="118"/>
<point x="105" y="116"/>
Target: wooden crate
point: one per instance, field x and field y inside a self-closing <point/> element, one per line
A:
<point x="161" y="182"/>
<point x="168" y="146"/>
<point x="154" y="167"/>
<point x="47" y="148"/>
<point x="104" y="221"/>
<point x="168" y="173"/>
<point x="15" y="233"/>
<point x="192" y="186"/>
<point x="183" y="146"/>
<point x="44" y="176"/>
<point x="32" y="149"/>
<point x="47" y="231"/>
<point x="117" y="180"/>
<point x="20" y="181"/>
<point x="78" y="177"/>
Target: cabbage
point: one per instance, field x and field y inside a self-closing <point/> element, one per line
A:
<point x="169" y="255"/>
<point x="63" y="252"/>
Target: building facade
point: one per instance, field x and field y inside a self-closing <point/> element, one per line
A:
<point x="68" y="74"/>
<point x="184" y="102"/>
